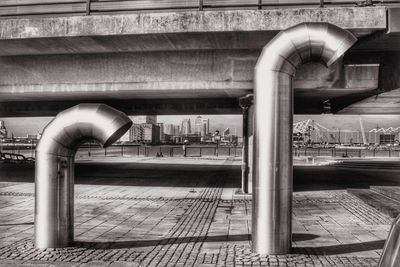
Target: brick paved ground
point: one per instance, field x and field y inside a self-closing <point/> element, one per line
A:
<point x="191" y="223"/>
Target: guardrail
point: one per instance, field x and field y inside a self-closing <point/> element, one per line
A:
<point x="17" y="153"/>
<point x="159" y="151"/>
<point x="14" y="158"/>
<point x="126" y="150"/>
<point x="389" y="152"/>
<point x="16" y="8"/>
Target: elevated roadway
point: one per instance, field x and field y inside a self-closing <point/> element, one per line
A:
<point x="180" y="62"/>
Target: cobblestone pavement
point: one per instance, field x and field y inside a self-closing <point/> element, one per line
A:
<point x="193" y="224"/>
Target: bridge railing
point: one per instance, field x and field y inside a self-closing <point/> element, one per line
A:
<point x="16" y="8"/>
<point x="384" y="152"/>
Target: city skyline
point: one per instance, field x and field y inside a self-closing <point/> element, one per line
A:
<point x="21" y="126"/>
<point x="34" y="125"/>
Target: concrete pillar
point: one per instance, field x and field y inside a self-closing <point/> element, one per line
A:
<point x="245" y="103"/>
<point x="250" y="129"/>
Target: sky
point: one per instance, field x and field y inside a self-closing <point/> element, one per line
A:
<point x="34" y="125"/>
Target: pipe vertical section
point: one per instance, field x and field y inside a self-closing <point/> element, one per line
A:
<point x="391" y="251"/>
<point x="54" y="172"/>
<point x="273" y="98"/>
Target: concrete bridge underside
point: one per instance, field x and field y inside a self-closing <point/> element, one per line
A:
<point x="186" y="62"/>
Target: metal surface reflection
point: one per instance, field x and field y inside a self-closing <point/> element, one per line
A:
<point x="391" y="251"/>
<point x="54" y="173"/>
<point x="272" y="165"/>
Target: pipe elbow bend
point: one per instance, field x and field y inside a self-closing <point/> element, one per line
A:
<point x="64" y="134"/>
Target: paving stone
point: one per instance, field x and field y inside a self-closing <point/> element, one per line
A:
<point x="169" y="225"/>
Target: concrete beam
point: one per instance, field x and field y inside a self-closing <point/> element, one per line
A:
<point x="378" y="103"/>
<point x="384" y="100"/>
<point x="130" y="107"/>
<point x="174" y="76"/>
<point x="190" y="30"/>
<point x="191" y="21"/>
<point x="189" y="74"/>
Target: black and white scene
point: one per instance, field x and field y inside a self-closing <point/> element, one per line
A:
<point x="200" y="133"/>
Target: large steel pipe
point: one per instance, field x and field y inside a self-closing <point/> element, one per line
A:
<point x="54" y="174"/>
<point x="391" y="251"/>
<point x="273" y="93"/>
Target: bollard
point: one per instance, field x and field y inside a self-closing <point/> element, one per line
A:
<point x="391" y="251"/>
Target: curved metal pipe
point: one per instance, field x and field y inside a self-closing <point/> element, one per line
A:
<point x="391" y="251"/>
<point x="54" y="173"/>
<point x="272" y="165"/>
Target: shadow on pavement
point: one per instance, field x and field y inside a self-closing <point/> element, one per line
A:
<point x="297" y="237"/>
<point x="178" y="240"/>
<point x="134" y="174"/>
<point x="340" y="249"/>
<point x="165" y="241"/>
<point x="306" y="178"/>
<point x="16" y="224"/>
<point x="314" y="178"/>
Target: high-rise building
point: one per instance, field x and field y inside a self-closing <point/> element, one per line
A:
<point x="151" y="133"/>
<point x="176" y="129"/>
<point x="136" y="133"/>
<point x="198" y="125"/>
<point x="205" y="129"/>
<point x="145" y="133"/>
<point x="171" y="129"/>
<point x="162" y="133"/>
<point x="152" y="119"/>
<point x="141" y="131"/>
<point x="3" y="130"/>
<point x="186" y="127"/>
<point x="201" y="126"/>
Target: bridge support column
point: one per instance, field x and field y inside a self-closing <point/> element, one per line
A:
<point x="246" y="103"/>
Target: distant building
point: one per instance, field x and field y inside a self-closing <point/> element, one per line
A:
<point x="151" y="133"/>
<point x="146" y="133"/>
<point x="384" y="136"/>
<point x="171" y="129"/>
<point x="162" y="133"/>
<point x="145" y="129"/>
<point x="226" y="135"/>
<point x="3" y="130"/>
<point x="201" y="126"/>
<point x="136" y="133"/>
<point x="387" y="139"/>
<point x="205" y="129"/>
<point x="186" y="127"/>
<point x="144" y="119"/>
<point x="198" y="125"/>
<point x="192" y="138"/>
<point x="226" y="132"/>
